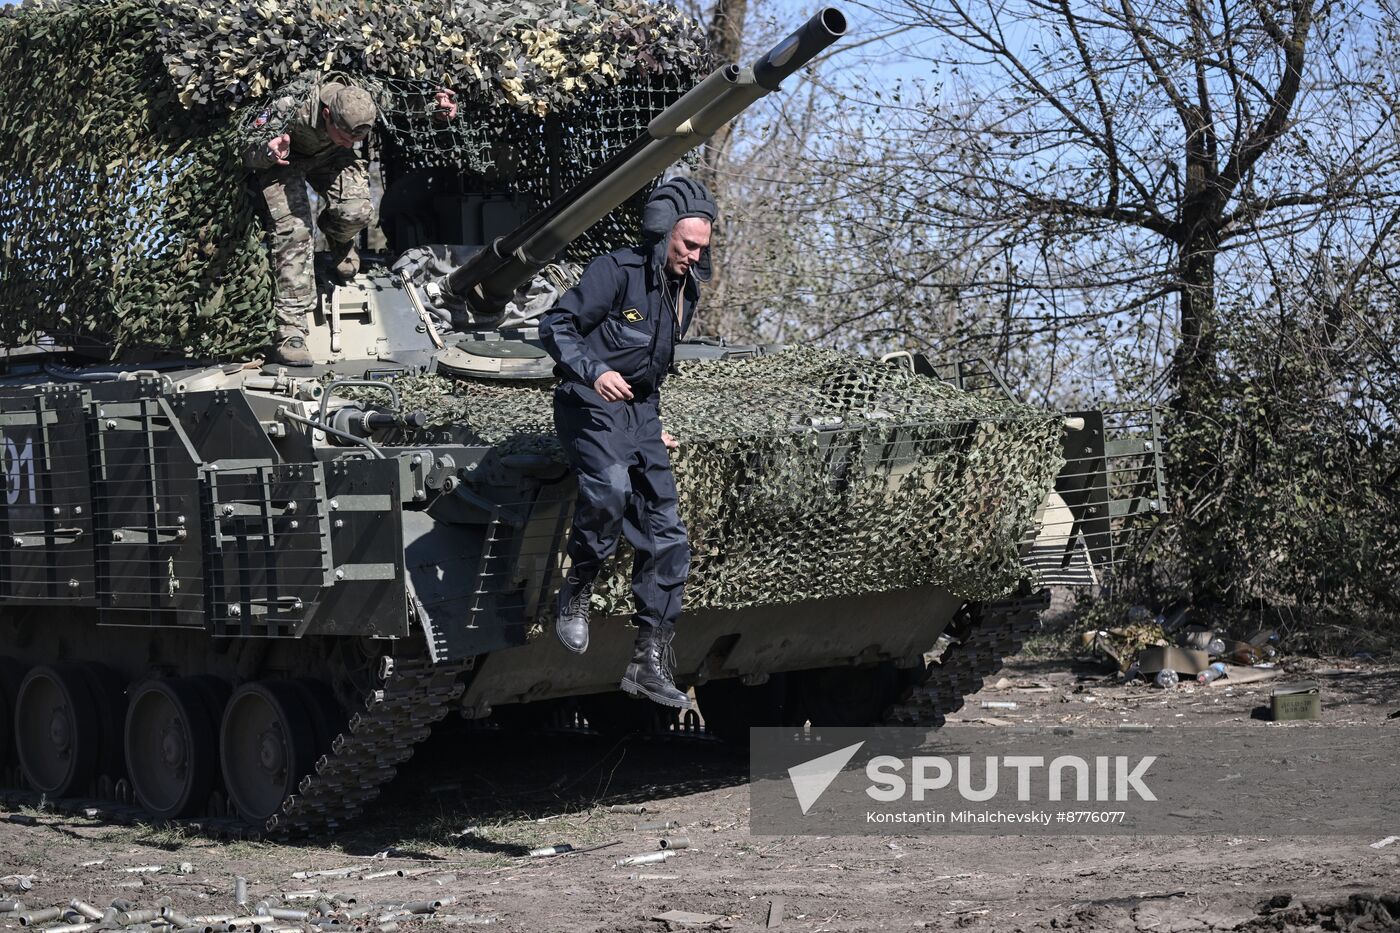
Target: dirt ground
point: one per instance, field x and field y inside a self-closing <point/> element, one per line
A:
<point x="461" y="817"/>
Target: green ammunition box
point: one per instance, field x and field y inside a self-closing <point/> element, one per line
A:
<point x="1302" y="700"/>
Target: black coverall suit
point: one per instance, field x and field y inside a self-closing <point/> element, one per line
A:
<point x="622" y="316"/>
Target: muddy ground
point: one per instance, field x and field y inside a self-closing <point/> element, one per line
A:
<point x="462" y="815"/>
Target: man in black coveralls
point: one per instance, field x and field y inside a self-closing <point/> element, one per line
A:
<point x="612" y="337"/>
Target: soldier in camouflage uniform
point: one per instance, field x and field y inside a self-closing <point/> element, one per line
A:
<point x="308" y="135"/>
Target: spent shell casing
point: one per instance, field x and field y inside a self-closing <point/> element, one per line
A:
<point x="90" y="911"/>
<point x="240" y="891"/>
<point x="628" y="808"/>
<point x="129" y="917"/>
<point x="34" y="917"/>
<point x="70" y="928"/>
<point x="645" y="859"/>
<point x="288" y="913"/>
<point x="547" y="851"/>
<point x="675" y="842"/>
<point x="11" y="906"/>
<point x="177" y="919"/>
<point x="389" y="926"/>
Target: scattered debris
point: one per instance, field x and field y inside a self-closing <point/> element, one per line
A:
<point x="687" y="918"/>
<point x="1381" y="844"/>
<point x="775" y="912"/>
<point x="644" y="859"/>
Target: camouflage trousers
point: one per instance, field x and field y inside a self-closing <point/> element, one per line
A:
<point x="342" y="180"/>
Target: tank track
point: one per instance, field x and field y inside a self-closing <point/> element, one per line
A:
<point x="397" y="716"/>
<point x="996" y="631"/>
<point x="398" y="713"/>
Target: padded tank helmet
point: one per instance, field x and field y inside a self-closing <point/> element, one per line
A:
<point x="669" y="203"/>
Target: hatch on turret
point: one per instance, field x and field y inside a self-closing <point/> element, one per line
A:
<point x="497" y="355"/>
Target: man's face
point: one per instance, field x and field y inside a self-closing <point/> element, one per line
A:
<point x="689" y="238"/>
<point x="337" y="135"/>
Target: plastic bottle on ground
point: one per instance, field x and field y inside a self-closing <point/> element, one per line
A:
<point x="1214" y="672"/>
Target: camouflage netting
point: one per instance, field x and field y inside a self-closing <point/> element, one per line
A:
<point x="124" y="221"/>
<point x="811" y="474"/>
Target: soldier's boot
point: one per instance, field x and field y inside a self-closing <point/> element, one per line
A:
<point x="571" y="613"/>
<point x="652" y="671"/>
<point x="290" y="348"/>
<point x="344" y="258"/>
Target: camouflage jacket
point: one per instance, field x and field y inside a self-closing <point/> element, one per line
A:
<point x="297" y="110"/>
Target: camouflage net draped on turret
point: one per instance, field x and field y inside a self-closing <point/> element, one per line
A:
<point x="811" y="474"/>
<point x="124" y="219"/>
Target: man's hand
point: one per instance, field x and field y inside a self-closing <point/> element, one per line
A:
<point x="279" y="148"/>
<point x="670" y="442"/>
<point x="446" y="101"/>
<point x="612" y="387"/>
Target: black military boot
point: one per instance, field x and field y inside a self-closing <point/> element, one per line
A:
<point x="651" y="671"/>
<point x="571" y="613"/>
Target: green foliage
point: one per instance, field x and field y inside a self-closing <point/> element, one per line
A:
<point x="1300" y="516"/>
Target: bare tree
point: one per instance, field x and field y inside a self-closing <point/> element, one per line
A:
<point x="1128" y="155"/>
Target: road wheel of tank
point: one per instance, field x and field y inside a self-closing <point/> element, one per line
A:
<point x="266" y="744"/>
<point x="730" y="709"/>
<point x="617" y="715"/>
<point x="11" y="676"/>
<point x="847" y="696"/>
<point x="171" y="748"/>
<point x="58" y="733"/>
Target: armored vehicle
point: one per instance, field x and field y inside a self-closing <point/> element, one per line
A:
<point x="239" y="597"/>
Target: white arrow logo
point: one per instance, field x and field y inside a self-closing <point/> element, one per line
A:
<point x="811" y="778"/>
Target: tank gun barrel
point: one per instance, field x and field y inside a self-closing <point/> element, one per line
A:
<point x="489" y="279"/>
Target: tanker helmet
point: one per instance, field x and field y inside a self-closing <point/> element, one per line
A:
<point x="670" y="202"/>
